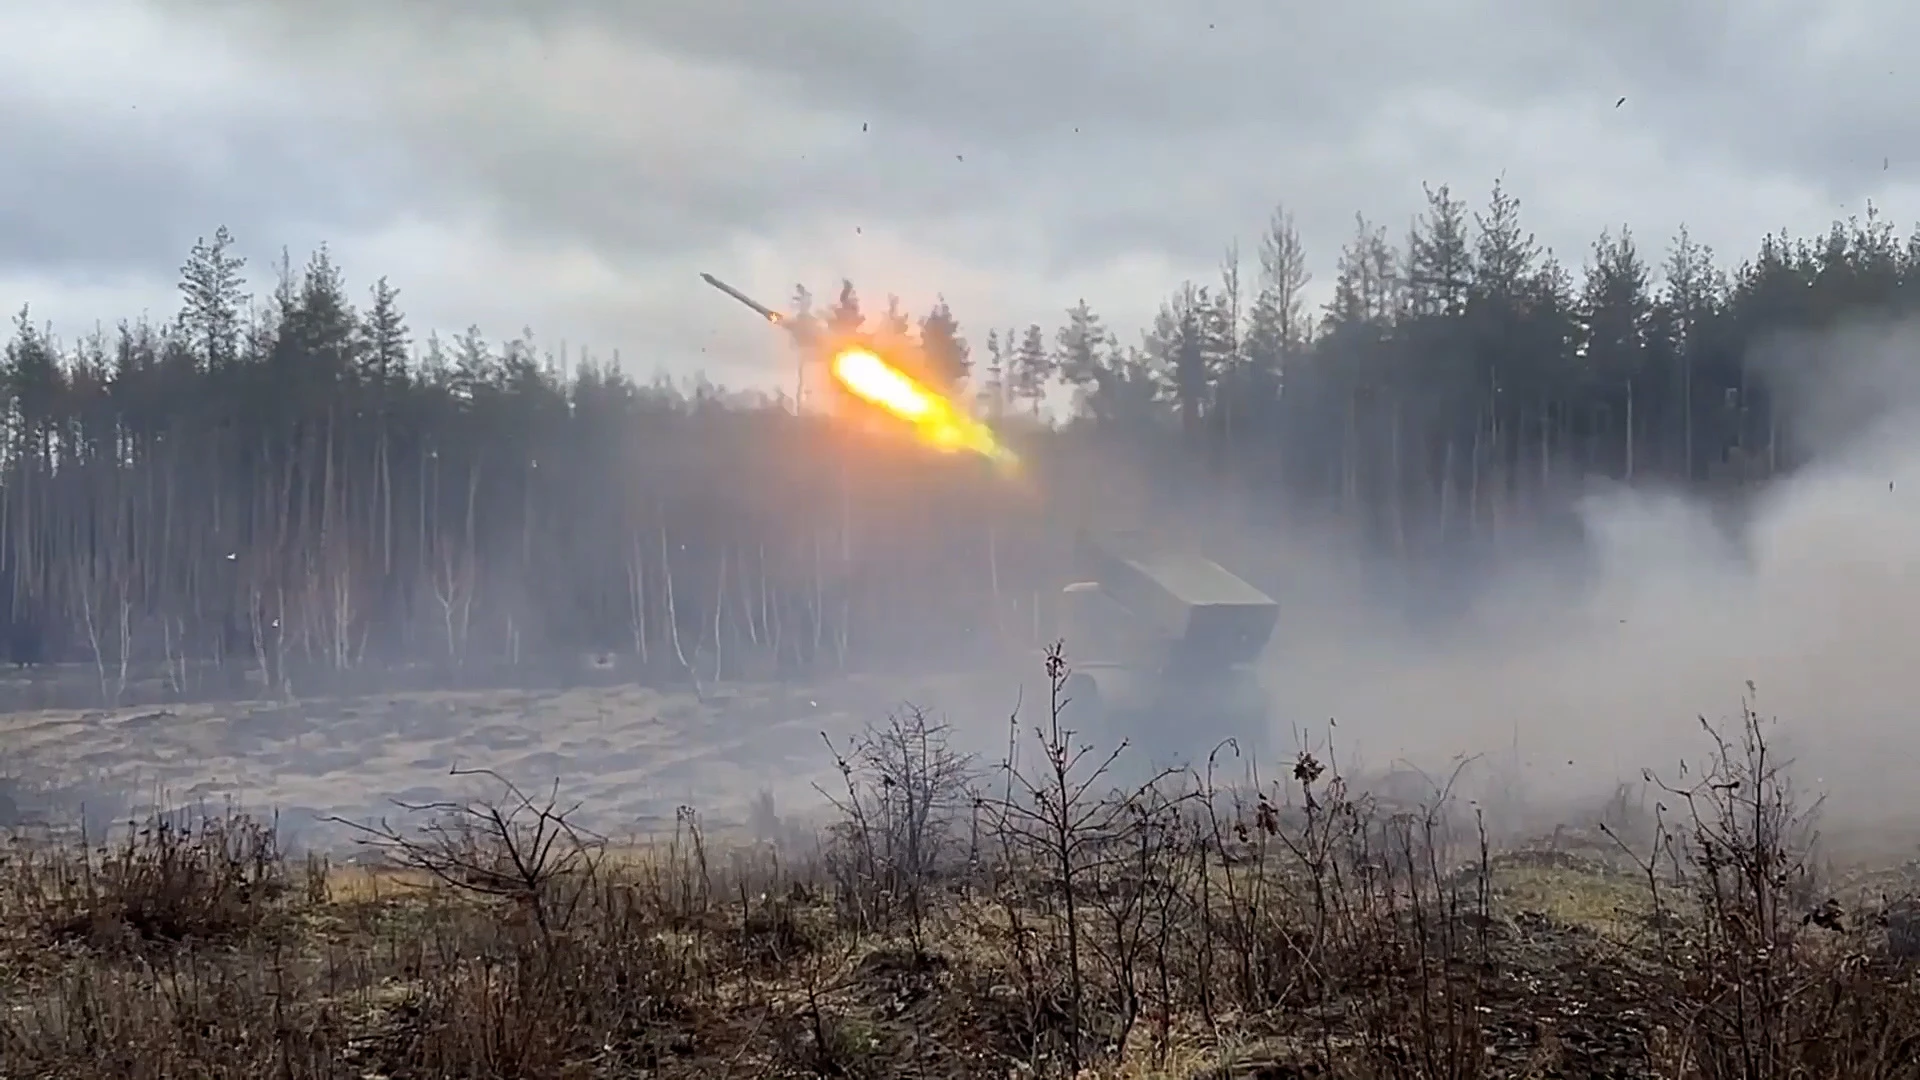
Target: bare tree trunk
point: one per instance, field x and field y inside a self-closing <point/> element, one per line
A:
<point x="383" y="471"/>
<point x="107" y="697"/>
<point x="673" y="616"/>
<point x="843" y="632"/>
<point x="1773" y="439"/>
<point x="1349" y="467"/>
<point x="1686" y="409"/>
<point x="1546" y="451"/>
<point x="285" y="687"/>
<point x="125" y="619"/>
<point x="255" y="619"/>
<point x="769" y="611"/>
<point x="1630" y="461"/>
<point x="1397" y="483"/>
<point x="819" y="603"/>
<point x="719" y="611"/>
<point x="341" y="641"/>
<point x="993" y="580"/>
<point x="637" y="599"/>
<point x="174" y="647"/>
<point x="1475" y="458"/>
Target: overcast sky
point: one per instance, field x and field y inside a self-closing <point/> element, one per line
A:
<point x="572" y="165"/>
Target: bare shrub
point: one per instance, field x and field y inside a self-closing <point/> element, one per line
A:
<point x="1176" y="897"/>
<point x="1063" y="925"/>
<point x="1760" y="980"/>
<point x="514" y="848"/>
<point x="1062" y="840"/>
<point x="905" y="792"/>
<point x="187" y="877"/>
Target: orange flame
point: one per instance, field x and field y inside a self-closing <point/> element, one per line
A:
<point x="937" y="421"/>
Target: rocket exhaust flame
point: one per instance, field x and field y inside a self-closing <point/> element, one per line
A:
<point x="934" y="418"/>
<point x="937" y="421"/>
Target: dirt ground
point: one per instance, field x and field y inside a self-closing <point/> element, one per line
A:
<point x="182" y="956"/>
<point x="628" y="754"/>
<point x="1308" y="931"/>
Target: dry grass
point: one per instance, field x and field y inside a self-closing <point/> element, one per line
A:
<point x="1029" y="920"/>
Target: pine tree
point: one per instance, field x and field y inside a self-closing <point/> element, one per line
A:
<point x="893" y="337"/>
<point x="1080" y="347"/>
<point x="1181" y="347"/>
<point x="946" y="352"/>
<point x="1439" y="258"/>
<point x="317" y="326"/>
<point x="1030" y="369"/>
<point x="810" y="364"/>
<point x="35" y="381"/>
<point x="992" y="397"/>
<point x="1615" y="323"/>
<point x="474" y="363"/>
<point x="1279" y="325"/>
<point x="213" y="291"/>
<point x="1689" y="302"/>
<point x="844" y="319"/>
<point x="243" y="480"/>
<point x="383" y="337"/>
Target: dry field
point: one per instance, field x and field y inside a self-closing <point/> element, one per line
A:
<point x="953" y="920"/>
<point x="628" y="754"/>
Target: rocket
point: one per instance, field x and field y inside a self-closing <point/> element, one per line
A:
<point x="759" y="308"/>
<point x="867" y="375"/>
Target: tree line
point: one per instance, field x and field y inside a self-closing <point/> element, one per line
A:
<point x="295" y="490"/>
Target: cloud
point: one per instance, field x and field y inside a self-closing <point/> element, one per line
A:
<point x="128" y="135"/>
<point x="574" y="165"/>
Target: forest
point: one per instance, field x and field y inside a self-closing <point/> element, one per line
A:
<point x="296" y="489"/>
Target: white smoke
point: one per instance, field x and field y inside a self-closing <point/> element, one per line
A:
<point x="1813" y="596"/>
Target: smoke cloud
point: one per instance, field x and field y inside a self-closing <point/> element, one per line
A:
<point x="1810" y="591"/>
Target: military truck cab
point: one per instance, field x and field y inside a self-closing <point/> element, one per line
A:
<point x="1161" y="646"/>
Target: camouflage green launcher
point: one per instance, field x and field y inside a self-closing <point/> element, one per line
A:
<point x="1162" y="643"/>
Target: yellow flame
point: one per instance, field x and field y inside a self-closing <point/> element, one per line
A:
<point x="937" y="421"/>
